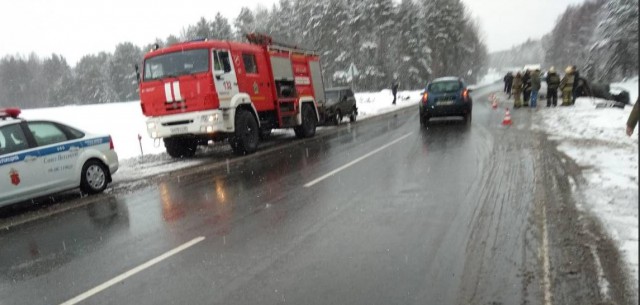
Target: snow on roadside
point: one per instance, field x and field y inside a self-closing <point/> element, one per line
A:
<point x="125" y="121"/>
<point x="491" y="77"/>
<point x="596" y="140"/>
<point x="376" y="103"/>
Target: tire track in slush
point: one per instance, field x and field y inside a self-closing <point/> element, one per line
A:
<point x="502" y="206"/>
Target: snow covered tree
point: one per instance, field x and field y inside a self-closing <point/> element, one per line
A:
<point x="220" y="28"/>
<point x="244" y="23"/>
<point x="122" y="72"/>
<point x="201" y="29"/>
<point x="92" y="79"/>
<point x="616" y="40"/>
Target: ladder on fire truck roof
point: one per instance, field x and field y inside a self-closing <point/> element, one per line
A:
<point x="266" y="40"/>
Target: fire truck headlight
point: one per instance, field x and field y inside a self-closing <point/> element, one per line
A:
<point x="154" y="135"/>
<point x="209" y="129"/>
<point x="151" y="125"/>
<point x="210" y="118"/>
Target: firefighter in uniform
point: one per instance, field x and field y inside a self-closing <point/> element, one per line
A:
<point x="553" y="81"/>
<point x="566" y="86"/>
<point x="516" y="89"/>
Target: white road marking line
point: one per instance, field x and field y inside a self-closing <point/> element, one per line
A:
<point x="310" y="184"/>
<point x="546" y="269"/>
<point x="131" y="272"/>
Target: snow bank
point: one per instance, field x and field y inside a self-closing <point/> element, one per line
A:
<point x="596" y="140"/>
<point x="125" y="121"/>
<point x="377" y="103"/>
<point x="491" y="77"/>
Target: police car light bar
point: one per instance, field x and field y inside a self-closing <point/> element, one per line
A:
<point x="9" y="112"/>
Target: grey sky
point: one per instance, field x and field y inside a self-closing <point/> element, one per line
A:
<point x="74" y="28"/>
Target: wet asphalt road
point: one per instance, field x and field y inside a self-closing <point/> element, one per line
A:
<point x="444" y="215"/>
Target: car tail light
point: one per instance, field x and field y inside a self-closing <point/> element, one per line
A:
<point x="465" y="95"/>
<point x="111" y="143"/>
<point x="425" y="97"/>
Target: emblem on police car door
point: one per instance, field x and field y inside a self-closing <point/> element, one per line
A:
<point x="15" y="177"/>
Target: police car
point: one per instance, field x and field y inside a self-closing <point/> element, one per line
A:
<point x="38" y="158"/>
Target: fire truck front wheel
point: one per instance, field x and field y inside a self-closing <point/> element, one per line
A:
<point x="180" y="147"/>
<point x="245" y="139"/>
<point x="309" y="121"/>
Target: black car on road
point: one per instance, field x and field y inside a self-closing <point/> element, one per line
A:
<point x="445" y="97"/>
<point x="340" y="103"/>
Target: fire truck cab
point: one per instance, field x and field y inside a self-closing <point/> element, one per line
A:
<point x="198" y="91"/>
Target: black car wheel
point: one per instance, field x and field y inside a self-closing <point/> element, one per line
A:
<point x="337" y="118"/>
<point x="245" y="139"/>
<point x="180" y="147"/>
<point x="309" y="122"/>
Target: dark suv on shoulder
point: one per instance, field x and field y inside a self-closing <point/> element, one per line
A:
<point x="444" y="97"/>
<point x="340" y="103"/>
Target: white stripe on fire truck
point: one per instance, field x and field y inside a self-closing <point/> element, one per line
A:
<point x="176" y="91"/>
<point x="167" y="92"/>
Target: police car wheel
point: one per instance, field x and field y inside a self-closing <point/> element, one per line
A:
<point x="94" y="177"/>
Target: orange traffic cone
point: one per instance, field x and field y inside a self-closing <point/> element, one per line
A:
<point x="507" y="118"/>
<point x="494" y="105"/>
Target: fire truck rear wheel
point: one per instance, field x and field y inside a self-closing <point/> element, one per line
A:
<point x="245" y="139"/>
<point x="309" y="123"/>
<point x="180" y="148"/>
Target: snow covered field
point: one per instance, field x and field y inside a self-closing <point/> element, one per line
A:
<point x="596" y="140"/>
<point x="125" y="121"/>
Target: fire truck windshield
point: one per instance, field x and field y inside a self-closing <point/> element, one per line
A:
<point x="176" y="64"/>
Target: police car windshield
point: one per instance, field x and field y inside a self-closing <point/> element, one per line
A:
<point x="176" y="64"/>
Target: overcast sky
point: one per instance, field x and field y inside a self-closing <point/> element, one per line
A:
<point x="74" y="28"/>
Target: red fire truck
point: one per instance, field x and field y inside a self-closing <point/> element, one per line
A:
<point x="198" y="91"/>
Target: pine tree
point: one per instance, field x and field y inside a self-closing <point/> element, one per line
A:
<point x="244" y="23"/>
<point x="220" y="28"/>
<point x="122" y="72"/>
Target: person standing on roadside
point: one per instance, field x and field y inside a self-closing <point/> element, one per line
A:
<point x="506" y="82"/>
<point x="526" y="88"/>
<point x="535" y="87"/>
<point x="633" y="118"/>
<point x="576" y="79"/>
<point x="509" y="83"/>
<point x="516" y="89"/>
<point x="566" y="86"/>
<point x="553" y="81"/>
<point x="394" y="88"/>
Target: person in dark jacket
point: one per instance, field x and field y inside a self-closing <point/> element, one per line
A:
<point x="633" y="118"/>
<point x="535" y="87"/>
<point x="526" y="88"/>
<point x="576" y="77"/>
<point x="509" y="83"/>
<point x="553" y="82"/>
<point x="394" y="89"/>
